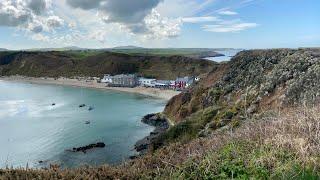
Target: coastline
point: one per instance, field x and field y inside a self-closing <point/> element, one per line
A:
<point x="152" y="92"/>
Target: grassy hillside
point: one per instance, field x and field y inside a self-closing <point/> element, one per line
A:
<point x="253" y="82"/>
<point x="133" y="50"/>
<point x="93" y="63"/>
<point x="187" y="52"/>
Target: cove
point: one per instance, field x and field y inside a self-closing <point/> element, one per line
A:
<point x="40" y="122"/>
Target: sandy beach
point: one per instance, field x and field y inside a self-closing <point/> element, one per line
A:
<point x="153" y="92"/>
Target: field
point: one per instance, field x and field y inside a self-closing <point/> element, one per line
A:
<point x="188" y="52"/>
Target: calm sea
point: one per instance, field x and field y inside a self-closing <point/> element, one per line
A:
<point x="32" y="130"/>
<point x="228" y="55"/>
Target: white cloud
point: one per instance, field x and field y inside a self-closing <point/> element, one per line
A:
<point x="99" y="35"/>
<point x="39" y="37"/>
<point x="232" y="27"/>
<point x="113" y="21"/>
<point x="31" y="15"/>
<point x="36" y="28"/>
<point x="54" y="22"/>
<point x="177" y="8"/>
<point x="14" y="13"/>
<point x="200" y="19"/>
<point x="128" y="13"/>
<point x="227" y="12"/>
<point x="160" y="27"/>
<point x="39" y="6"/>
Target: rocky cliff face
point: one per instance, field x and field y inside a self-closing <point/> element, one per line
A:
<point x="252" y="82"/>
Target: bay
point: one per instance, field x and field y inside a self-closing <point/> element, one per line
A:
<point x="33" y="130"/>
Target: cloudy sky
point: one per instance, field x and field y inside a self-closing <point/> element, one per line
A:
<point x="159" y="23"/>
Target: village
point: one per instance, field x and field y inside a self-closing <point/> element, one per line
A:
<point x="132" y="80"/>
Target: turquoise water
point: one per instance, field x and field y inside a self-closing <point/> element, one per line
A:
<point x="32" y="130"/>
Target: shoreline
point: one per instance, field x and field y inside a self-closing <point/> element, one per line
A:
<point x="152" y="92"/>
<point x="142" y="145"/>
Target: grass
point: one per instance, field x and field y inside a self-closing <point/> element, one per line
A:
<point x="97" y="63"/>
<point x="189" y="52"/>
<point x="285" y="145"/>
<point x="282" y="147"/>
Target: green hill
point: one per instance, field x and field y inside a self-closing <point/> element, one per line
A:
<point x="96" y="63"/>
<point x="187" y="52"/>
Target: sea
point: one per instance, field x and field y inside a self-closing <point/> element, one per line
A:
<point x="229" y="53"/>
<point x="40" y="123"/>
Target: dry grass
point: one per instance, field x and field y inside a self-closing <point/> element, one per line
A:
<point x="282" y="146"/>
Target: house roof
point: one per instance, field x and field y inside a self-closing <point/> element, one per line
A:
<point x="124" y="76"/>
<point x="146" y="79"/>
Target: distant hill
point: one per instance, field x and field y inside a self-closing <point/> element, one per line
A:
<point x="187" y="52"/>
<point x="127" y="47"/>
<point x="134" y="50"/>
<point x="3" y="49"/>
<point x="68" y="48"/>
<point x="97" y="63"/>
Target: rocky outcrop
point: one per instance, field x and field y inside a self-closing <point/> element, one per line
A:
<point x="84" y="149"/>
<point x="161" y="125"/>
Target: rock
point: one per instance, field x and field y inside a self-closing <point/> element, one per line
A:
<point x="161" y="125"/>
<point x="155" y="120"/>
<point x="88" y="147"/>
<point x="134" y="157"/>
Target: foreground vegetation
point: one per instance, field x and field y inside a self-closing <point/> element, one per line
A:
<point x="282" y="145"/>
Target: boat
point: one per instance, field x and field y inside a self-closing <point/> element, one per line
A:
<point x="82" y="105"/>
<point x="53" y="104"/>
<point x="90" y="108"/>
<point x="87" y="122"/>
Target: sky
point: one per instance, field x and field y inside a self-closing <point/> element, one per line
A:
<point x="248" y="24"/>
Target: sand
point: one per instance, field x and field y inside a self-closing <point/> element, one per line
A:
<point x="153" y="92"/>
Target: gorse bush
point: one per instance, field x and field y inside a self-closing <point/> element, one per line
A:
<point x="284" y="147"/>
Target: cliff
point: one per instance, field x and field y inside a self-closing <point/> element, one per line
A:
<point x="255" y="80"/>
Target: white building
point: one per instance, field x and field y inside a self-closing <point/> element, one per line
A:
<point x="146" y="82"/>
<point x="162" y="84"/>
<point x="107" y="78"/>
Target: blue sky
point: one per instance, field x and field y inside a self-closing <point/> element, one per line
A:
<point x="160" y="23"/>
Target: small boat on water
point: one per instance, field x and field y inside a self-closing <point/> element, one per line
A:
<point x="90" y="108"/>
<point x="53" y="104"/>
<point x="82" y="105"/>
<point x="87" y="122"/>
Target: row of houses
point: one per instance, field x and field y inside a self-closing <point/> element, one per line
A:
<point x="131" y="80"/>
